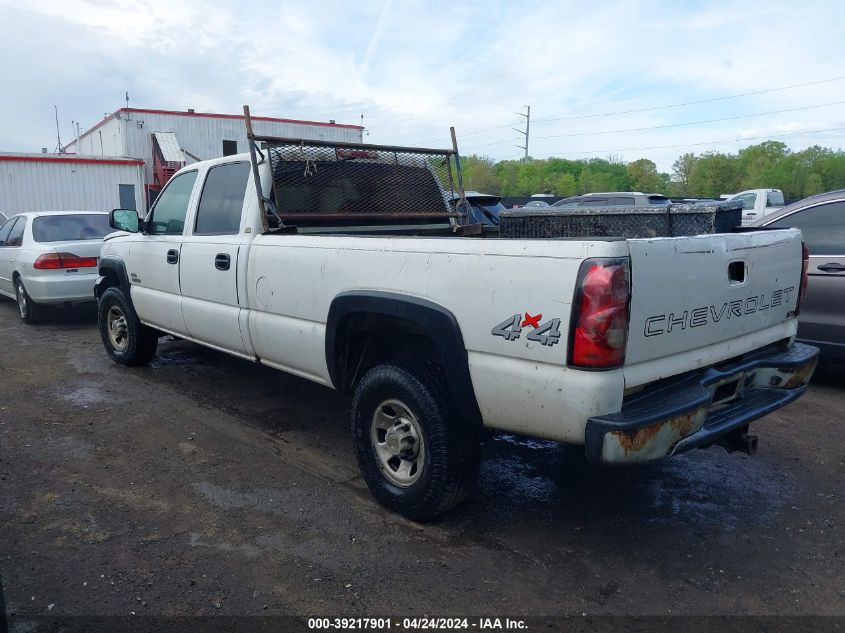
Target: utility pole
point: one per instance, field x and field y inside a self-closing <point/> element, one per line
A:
<point x="527" y="116"/>
<point x="58" y="135"/>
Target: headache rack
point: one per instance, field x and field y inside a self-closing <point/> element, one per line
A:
<point x="329" y="183"/>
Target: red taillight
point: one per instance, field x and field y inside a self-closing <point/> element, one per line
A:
<point x="805" y="276"/>
<point x="57" y="261"/>
<point x="600" y="314"/>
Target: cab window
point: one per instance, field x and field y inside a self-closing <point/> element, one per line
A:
<point x="823" y="227"/>
<point x="171" y="207"/>
<point x="748" y="200"/>
<point x="222" y="200"/>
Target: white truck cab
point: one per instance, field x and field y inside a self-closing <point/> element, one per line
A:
<point x="347" y="266"/>
<point x="757" y="203"/>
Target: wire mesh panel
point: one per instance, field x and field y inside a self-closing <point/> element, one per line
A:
<point x="317" y="182"/>
<point x="627" y="222"/>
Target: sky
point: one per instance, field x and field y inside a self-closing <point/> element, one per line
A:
<point x="597" y="75"/>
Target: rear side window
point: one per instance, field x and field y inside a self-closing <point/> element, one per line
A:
<point x="171" y="207"/>
<point x="4" y="231"/>
<point x="774" y="199"/>
<point x="65" y="228"/>
<point x="222" y="200"/>
<point x="16" y="234"/>
<point x="623" y="201"/>
<point x="823" y="227"/>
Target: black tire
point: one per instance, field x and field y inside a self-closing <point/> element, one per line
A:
<point x="29" y="311"/>
<point x="452" y="449"/>
<point x="139" y="341"/>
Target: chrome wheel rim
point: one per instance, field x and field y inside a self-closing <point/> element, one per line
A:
<point x="117" y="329"/>
<point x="21" y="300"/>
<point x="398" y="443"/>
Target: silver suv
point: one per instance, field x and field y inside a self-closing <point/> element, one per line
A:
<point x="615" y="198"/>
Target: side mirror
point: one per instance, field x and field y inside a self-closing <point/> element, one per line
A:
<point x="124" y="220"/>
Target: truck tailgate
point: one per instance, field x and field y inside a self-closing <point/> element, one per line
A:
<point x="691" y="292"/>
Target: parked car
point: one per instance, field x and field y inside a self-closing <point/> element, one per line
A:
<point x="634" y="349"/>
<point x="535" y="204"/>
<point x="615" y="198"/>
<point x="822" y="221"/>
<point x="757" y="203"/>
<point x="50" y="257"/>
<point x="485" y="207"/>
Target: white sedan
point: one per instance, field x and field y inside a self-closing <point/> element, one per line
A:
<point x="50" y="257"/>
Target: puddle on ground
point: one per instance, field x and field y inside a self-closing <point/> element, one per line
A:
<point x="84" y="396"/>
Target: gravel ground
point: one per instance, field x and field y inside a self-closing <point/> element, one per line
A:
<point x="206" y="485"/>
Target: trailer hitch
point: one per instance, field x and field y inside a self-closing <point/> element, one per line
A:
<point x="739" y="440"/>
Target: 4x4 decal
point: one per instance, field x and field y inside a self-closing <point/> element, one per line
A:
<point x="510" y="329"/>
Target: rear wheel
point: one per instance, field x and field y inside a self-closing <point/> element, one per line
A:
<point x="29" y="311"/>
<point x="126" y="339"/>
<point x="415" y="453"/>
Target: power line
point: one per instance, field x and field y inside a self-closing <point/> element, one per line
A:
<point x="507" y="140"/>
<point x="648" y="109"/>
<point x="730" y="140"/>
<point x="688" y="103"/>
<point x="668" y="125"/>
<point x="443" y="138"/>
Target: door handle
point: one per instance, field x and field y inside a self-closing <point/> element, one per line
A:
<point x="172" y="256"/>
<point x="833" y="267"/>
<point x="222" y="261"/>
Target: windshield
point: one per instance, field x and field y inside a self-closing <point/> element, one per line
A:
<point x="66" y="228"/>
<point x="486" y="209"/>
<point x="567" y="202"/>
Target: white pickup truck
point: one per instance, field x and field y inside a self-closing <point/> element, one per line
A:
<point x="635" y="349"/>
<point x="757" y="203"/>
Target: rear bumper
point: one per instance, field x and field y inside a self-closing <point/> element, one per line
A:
<point x="67" y="288"/>
<point x="699" y="408"/>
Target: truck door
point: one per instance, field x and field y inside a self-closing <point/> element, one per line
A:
<point x="209" y="269"/>
<point x="822" y="319"/>
<point x="154" y="258"/>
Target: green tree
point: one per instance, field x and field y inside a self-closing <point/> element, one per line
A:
<point x="480" y="175"/>
<point x="681" y="170"/>
<point x="645" y="177"/>
<point x="713" y="174"/>
<point x="566" y="185"/>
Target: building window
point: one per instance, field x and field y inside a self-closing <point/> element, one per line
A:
<point x="230" y="147"/>
<point x="127" y="196"/>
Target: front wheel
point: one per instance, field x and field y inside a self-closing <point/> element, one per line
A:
<point x="29" y="311"/>
<point x="415" y="453"/>
<point x="127" y="340"/>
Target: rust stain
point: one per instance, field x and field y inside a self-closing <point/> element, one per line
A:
<point x="635" y="441"/>
<point x="797" y="377"/>
<point x="683" y="423"/>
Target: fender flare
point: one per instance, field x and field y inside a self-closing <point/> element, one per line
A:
<point x="116" y="266"/>
<point x="438" y="323"/>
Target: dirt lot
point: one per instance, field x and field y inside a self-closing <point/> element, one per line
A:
<point x="207" y="485"/>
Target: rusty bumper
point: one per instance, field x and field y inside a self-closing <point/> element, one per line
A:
<point x="700" y="408"/>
